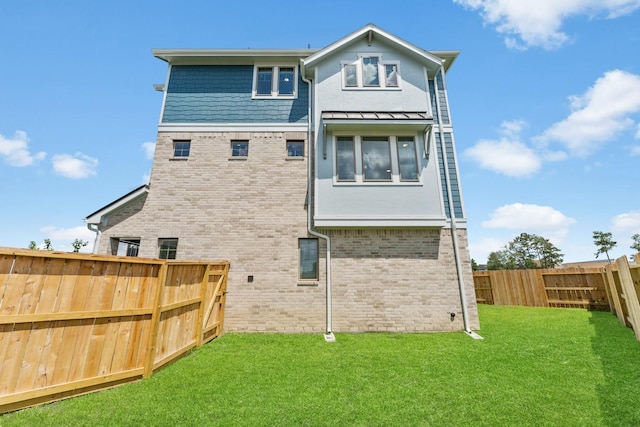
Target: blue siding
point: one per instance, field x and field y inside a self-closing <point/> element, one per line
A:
<point x="432" y="95"/>
<point x="222" y="94"/>
<point x="453" y="176"/>
<point x="442" y="99"/>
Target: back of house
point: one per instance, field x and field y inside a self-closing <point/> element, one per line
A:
<point x="328" y="178"/>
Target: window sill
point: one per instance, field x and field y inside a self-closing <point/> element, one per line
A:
<point x="371" y="88"/>
<point x="295" y="158"/>
<point x="275" y="96"/>
<point x="178" y="159"/>
<point x="312" y="284"/>
<point x="239" y="158"/>
<point x="377" y="183"/>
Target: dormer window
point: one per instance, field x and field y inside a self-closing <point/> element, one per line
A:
<point x="370" y="72"/>
<point x="275" y="81"/>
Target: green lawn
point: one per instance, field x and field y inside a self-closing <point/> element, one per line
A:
<point x="535" y="367"/>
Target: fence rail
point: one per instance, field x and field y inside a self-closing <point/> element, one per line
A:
<point x="623" y="284"/>
<point x="75" y="323"/>
<point x="581" y="287"/>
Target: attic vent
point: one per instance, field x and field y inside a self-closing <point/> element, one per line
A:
<point x="370" y="39"/>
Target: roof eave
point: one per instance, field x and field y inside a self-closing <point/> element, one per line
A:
<point x="96" y="217"/>
<point x="230" y="56"/>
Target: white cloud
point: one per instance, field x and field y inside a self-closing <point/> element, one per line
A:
<point x="627" y="222"/>
<point x="635" y="150"/>
<point x="149" y="149"/>
<point x="544" y="220"/>
<point x="61" y="238"/>
<point x="77" y="166"/>
<point x="508" y="155"/>
<point x="15" y="150"/>
<point x="538" y="23"/>
<point x="599" y="115"/>
<point x="481" y="249"/>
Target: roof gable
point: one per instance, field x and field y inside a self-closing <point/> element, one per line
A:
<point x="371" y="32"/>
<point x="131" y="196"/>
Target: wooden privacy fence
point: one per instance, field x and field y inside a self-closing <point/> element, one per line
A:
<point x="580" y="288"/>
<point x="623" y="285"/>
<point x="75" y="323"/>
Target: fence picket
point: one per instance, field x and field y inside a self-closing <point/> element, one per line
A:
<point x="75" y="323"/>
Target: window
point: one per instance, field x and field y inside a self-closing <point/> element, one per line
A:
<point x="295" y="148"/>
<point x="370" y="72"/>
<point x="168" y="248"/>
<point x="275" y="81"/>
<point x="350" y="75"/>
<point x="264" y="83"/>
<point x="381" y="159"/>
<point x="125" y="247"/>
<point x="285" y="81"/>
<point x="407" y="160"/>
<point x="181" y="148"/>
<point x="345" y="158"/>
<point x="391" y="75"/>
<point x="376" y="159"/>
<point x="239" y="148"/>
<point x="308" y="249"/>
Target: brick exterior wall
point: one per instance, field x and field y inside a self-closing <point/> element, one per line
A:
<point x="253" y="211"/>
<point x="399" y="280"/>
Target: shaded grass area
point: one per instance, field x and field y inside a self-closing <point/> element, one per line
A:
<point x="535" y="367"/>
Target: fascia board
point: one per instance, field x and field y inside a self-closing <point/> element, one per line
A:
<point x="95" y="217"/>
<point x="230" y="56"/>
<point x="421" y="54"/>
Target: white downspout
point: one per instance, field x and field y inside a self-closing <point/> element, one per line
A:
<point x="328" y="336"/>
<point x="454" y="234"/>
<point x="96" y="242"/>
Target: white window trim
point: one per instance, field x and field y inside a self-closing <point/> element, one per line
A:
<point x="395" y="163"/>
<point x="382" y="75"/>
<point x="274" y="81"/>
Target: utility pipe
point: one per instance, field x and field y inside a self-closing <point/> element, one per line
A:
<point x="96" y="242"/>
<point x="454" y="234"/>
<point x="311" y="143"/>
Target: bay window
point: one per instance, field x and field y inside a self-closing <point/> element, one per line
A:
<point x="381" y="159"/>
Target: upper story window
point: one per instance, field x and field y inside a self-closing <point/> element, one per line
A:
<point x="295" y="148"/>
<point x="370" y="71"/>
<point x="275" y="81"/>
<point x="240" y="149"/>
<point x="181" y="148"/>
<point x="376" y="159"/>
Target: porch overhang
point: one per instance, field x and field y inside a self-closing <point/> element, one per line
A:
<point x="379" y="120"/>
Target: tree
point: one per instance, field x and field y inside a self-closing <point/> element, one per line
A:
<point x="524" y="252"/>
<point x="78" y="244"/>
<point x="501" y="260"/>
<point x="474" y="265"/>
<point x="636" y="242"/>
<point x="47" y="246"/>
<point x="604" y="242"/>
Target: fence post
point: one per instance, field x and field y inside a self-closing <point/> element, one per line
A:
<point x="155" y="322"/>
<point x="630" y="295"/>
<point x="204" y="283"/>
<point x="610" y="284"/>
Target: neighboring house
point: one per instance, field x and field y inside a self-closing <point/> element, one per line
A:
<point x="328" y="178"/>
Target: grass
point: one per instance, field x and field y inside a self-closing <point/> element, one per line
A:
<point x="535" y="367"/>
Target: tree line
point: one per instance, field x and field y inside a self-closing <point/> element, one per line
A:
<point x="528" y="251"/>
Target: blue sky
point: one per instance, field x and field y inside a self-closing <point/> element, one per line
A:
<point x="545" y="102"/>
